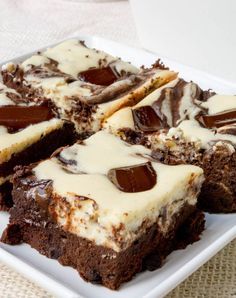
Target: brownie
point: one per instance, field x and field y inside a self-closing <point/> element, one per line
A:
<point x="181" y="123"/>
<point x="124" y="222"/>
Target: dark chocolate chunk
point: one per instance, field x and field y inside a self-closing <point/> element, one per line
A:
<point x="218" y="120"/>
<point x="18" y="117"/>
<point x="100" y="76"/>
<point x="135" y="178"/>
<point x="146" y="119"/>
<point x="175" y="96"/>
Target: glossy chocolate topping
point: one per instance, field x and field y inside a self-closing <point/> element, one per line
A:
<point x="218" y="120"/>
<point x="134" y="178"/>
<point x="99" y="76"/>
<point x="18" y="117"/>
<point x="175" y="95"/>
<point x="146" y="119"/>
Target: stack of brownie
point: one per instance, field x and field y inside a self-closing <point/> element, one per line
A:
<point x="124" y="190"/>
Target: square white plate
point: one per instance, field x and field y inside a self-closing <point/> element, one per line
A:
<point x="65" y="282"/>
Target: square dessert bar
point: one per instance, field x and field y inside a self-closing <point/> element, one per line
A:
<point x="106" y="208"/>
<point x="86" y="85"/>
<point x="29" y="131"/>
<point x="185" y="124"/>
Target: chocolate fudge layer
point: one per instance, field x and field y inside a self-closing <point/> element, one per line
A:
<point x="29" y="131"/>
<point x="85" y="84"/>
<point x="184" y="124"/>
<point x="102" y="207"/>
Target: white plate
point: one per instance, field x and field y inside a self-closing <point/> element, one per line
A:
<point x="65" y="282"/>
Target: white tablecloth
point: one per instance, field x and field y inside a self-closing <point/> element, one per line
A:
<point x="26" y="25"/>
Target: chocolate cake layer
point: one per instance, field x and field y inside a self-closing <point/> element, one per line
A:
<point x="34" y="153"/>
<point x="98" y="264"/>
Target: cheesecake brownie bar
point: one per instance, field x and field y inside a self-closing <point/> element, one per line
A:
<point x="185" y="124"/>
<point x="86" y="85"/>
<point x="106" y="208"/>
<point x="29" y="131"/>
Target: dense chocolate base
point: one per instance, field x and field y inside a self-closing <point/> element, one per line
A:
<point x="30" y="223"/>
<point x="34" y="153"/>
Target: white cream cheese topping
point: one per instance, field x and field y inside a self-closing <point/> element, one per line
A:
<point x="219" y="103"/>
<point x="193" y="132"/>
<point x="74" y="57"/>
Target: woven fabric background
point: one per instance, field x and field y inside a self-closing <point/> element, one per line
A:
<point x="26" y="25"/>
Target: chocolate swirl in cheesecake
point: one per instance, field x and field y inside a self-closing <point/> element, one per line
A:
<point x="218" y="120"/>
<point x="124" y="85"/>
<point x="173" y="105"/>
<point x="130" y="169"/>
<point x="228" y="129"/>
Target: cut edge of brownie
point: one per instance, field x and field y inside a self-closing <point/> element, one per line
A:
<point x="218" y="193"/>
<point x="98" y="264"/>
<point x="42" y="149"/>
